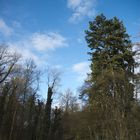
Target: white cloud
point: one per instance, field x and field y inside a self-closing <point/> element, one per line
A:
<point x="73" y="3"/>
<point x="47" y="41"/>
<point x="81" y="9"/>
<point x="34" y="45"/>
<point x="26" y="53"/>
<point x="81" y="69"/>
<point x="5" y="29"/>
<point x="37" y="45"/>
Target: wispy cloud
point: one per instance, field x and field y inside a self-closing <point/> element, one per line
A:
<point x="81" y="69"/>
<point x="81" y="9"/>
<point x="47" y="41"/>
<point x="25" y="51"/>
<point x="37" y="45"/>
<point x="5" y="29"/>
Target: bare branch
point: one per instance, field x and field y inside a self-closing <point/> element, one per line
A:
<point x="7" y="62"/>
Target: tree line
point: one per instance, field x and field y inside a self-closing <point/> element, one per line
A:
<point x="110" y="93"/>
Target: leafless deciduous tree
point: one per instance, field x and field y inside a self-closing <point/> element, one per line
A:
<point x="68" y="101"/>
<point x="7" y="62"/>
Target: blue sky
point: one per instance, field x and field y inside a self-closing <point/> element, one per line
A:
<point x="51" y="32"/>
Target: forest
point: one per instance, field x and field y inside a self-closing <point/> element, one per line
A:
<point x="110" y="108"/>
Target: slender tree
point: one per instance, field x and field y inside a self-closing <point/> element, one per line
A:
<point x="53" y="81"/>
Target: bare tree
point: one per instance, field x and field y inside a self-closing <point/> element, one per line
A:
<point x="7" y="62"/>
<point x="68" y="101"/>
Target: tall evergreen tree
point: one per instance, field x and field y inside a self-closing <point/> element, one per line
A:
<point x="112" y="62"/>
<point x="110" y="86"/>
